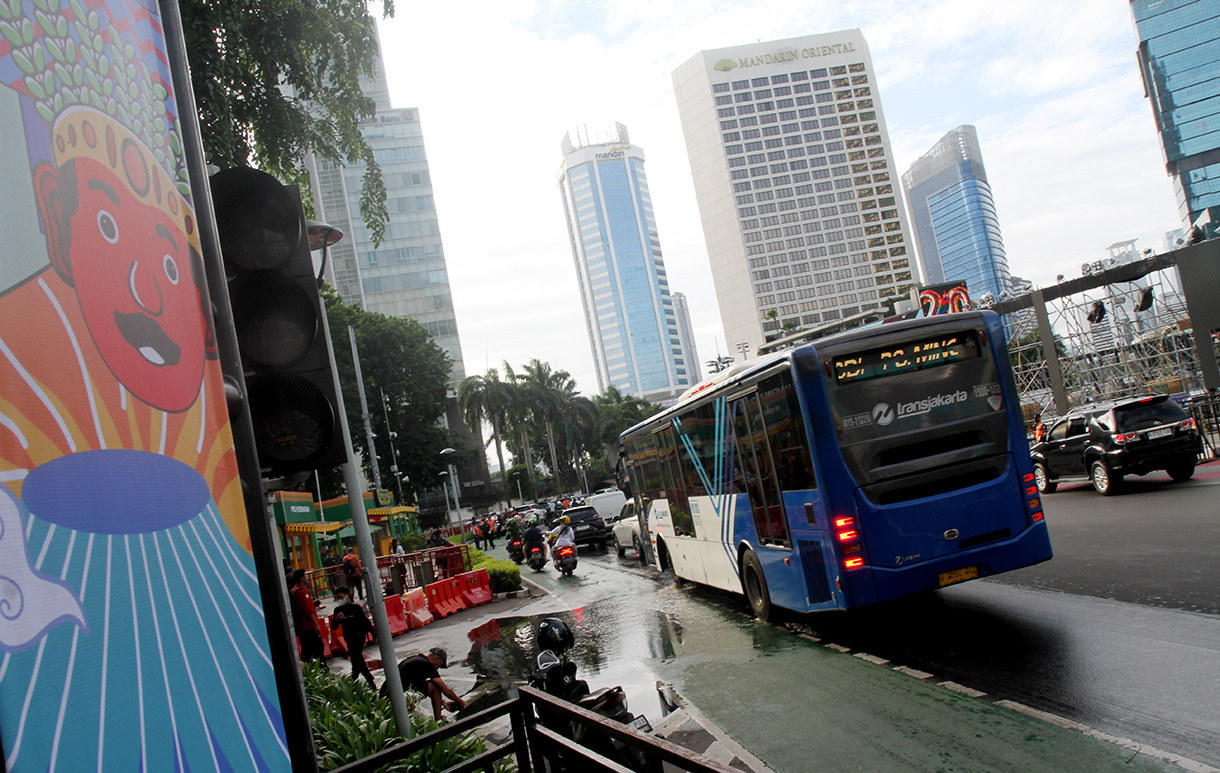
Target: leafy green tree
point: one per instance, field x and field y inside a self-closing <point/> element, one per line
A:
<point x="399" y="359"/>
<point x="275" y="81"/>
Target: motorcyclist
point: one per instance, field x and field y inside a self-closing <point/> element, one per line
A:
<point x="515" y="527"/>
<point x="533" y="536"/>
<point x="563" y="533"/>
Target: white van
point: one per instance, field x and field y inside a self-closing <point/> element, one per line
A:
<point x="607" y="503"/>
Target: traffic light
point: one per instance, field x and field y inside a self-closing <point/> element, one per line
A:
<point x="277" y="315"/>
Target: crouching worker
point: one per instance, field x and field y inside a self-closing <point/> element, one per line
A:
<point x="419" y="673"/>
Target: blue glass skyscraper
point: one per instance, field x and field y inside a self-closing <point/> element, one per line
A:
<point x="1179" y="57"/>
<point x="954" y="217"/>
<point x="629" y="312"/>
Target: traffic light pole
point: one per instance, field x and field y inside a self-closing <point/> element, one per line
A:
<point x="364" y="540"/>
<point x="281" y="639"/>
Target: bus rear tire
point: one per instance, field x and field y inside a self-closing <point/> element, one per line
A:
<point x="754" y="584"/>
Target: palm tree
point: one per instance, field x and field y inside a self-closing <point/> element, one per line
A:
<point x="519" y="412"/>
<point x="485" y="398"/>
<point x="614" y="412"/>
<point x="551" y="392"/>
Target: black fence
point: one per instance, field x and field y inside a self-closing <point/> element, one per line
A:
<point x="535" y="747"/>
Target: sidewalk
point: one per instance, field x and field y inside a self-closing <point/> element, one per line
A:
<point x="685" y="726"/>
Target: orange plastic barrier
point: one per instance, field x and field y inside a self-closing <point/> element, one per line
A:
<point x="453" y="586"/>
<point x="440" y="599"/>
<point x="417" y="613"/>
<point x="325" y="634"/>
<point x="475" y="587"/>
<point x="396" y="614"/>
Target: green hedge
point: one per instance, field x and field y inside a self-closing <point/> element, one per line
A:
<point x="504" y="575"/>
<point x="350" y="722"/>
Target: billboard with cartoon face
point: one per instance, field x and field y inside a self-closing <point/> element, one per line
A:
<point x="131" y="629"/>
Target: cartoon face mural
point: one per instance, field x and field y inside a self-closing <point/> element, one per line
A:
<point x="119" y="233"/>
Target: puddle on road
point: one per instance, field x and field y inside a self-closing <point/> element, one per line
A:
<point x="630" y="641"/>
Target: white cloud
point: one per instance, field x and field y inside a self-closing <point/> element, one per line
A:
<point x="1067" y="137"/>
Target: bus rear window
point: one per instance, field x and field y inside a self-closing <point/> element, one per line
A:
<point x="928" y="352"/>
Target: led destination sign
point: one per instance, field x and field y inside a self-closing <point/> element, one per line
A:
<point x="906" y="357"/>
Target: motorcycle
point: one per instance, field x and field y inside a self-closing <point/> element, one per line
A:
<point x="555" y="675"/>
<point x="565" y="559"/>
<point x="515" y="551"/>
<point x="537" y="558"/>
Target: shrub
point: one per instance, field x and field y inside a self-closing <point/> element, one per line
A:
<point x="350" y="722"/>
<point x="414" y="542"/>
<point x="504" y="575"/>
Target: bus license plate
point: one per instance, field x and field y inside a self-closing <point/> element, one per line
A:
<point x="958" y="575"/>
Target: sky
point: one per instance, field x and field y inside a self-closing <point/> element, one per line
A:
<point x="1068" y="139"/>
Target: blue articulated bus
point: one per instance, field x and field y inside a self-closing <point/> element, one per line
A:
<point x="863" y="467"/>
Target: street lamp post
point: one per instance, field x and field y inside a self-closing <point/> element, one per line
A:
<point x="385" y="408"/>
<point x="445" y="488"/>
<point x="453" y="477"/>
<point x="517" y="477"/>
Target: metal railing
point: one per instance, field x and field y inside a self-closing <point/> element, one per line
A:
<point x="413" y="570"/>
<point x="535" y="747"/>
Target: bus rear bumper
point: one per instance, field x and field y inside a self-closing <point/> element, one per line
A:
<point x="870" y="585"/>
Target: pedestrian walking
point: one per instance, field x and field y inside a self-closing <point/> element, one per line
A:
<point x="489" y="534"/>
<point x="351" y="619"/>
<point x="354" y="571"/>
<point x="477" y="528"/>
<point x="305" y="618"/>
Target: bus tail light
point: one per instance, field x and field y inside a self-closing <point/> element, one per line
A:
<point x="852" y="548"/>
<point x="1036" y="516"/>
<point x="1031" y="491"/>
<point x="847" y="521"/>
<point x="1027" y="477"/>
<point x="853" y="563"/>
<point x="848" y="536"/>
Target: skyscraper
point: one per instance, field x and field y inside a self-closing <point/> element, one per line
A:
<point x="794" y="176"/>
<point x="629" y="313"/>
<point x="1179" y="55"/>
<point x="953" y="216"/>
<point x="686" y="332"/>
<point x="406" y="275"/>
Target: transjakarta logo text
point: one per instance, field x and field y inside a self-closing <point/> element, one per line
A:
<point x="928" y="403"/>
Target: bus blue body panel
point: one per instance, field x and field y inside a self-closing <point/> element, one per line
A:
<point x="873" y="584"/>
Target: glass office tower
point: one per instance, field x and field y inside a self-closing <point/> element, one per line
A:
<point x="953" y="215"/>
<point x="796" y="183"/>
<point x="629" y="313"/>
<point x="1179" y="59"/>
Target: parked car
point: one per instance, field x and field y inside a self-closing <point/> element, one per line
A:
<point x="626" y="531"/>
<point x="590" y="528"/>
<point x="1102" y="443"/>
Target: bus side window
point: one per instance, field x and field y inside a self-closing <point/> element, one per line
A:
<point x="671" y="473"/>
<point x="754" y="465"/>
<point x="786" y="431"/>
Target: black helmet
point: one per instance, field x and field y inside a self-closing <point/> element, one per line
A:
<point x="554" y="635"/>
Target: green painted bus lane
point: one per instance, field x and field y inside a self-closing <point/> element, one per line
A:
<point x="802" y="706"/>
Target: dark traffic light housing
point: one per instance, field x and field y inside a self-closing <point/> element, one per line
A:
<point x="277" y="315"/>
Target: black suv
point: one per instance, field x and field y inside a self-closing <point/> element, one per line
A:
<point x="589" y="527"/>
<point x="1102" y="443"/>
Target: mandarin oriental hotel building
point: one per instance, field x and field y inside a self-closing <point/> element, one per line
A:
<point x="796" y="183"/>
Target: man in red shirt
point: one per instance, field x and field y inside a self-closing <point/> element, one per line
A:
<point x="305" y="618"/>
<point x="353" y="571"/>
